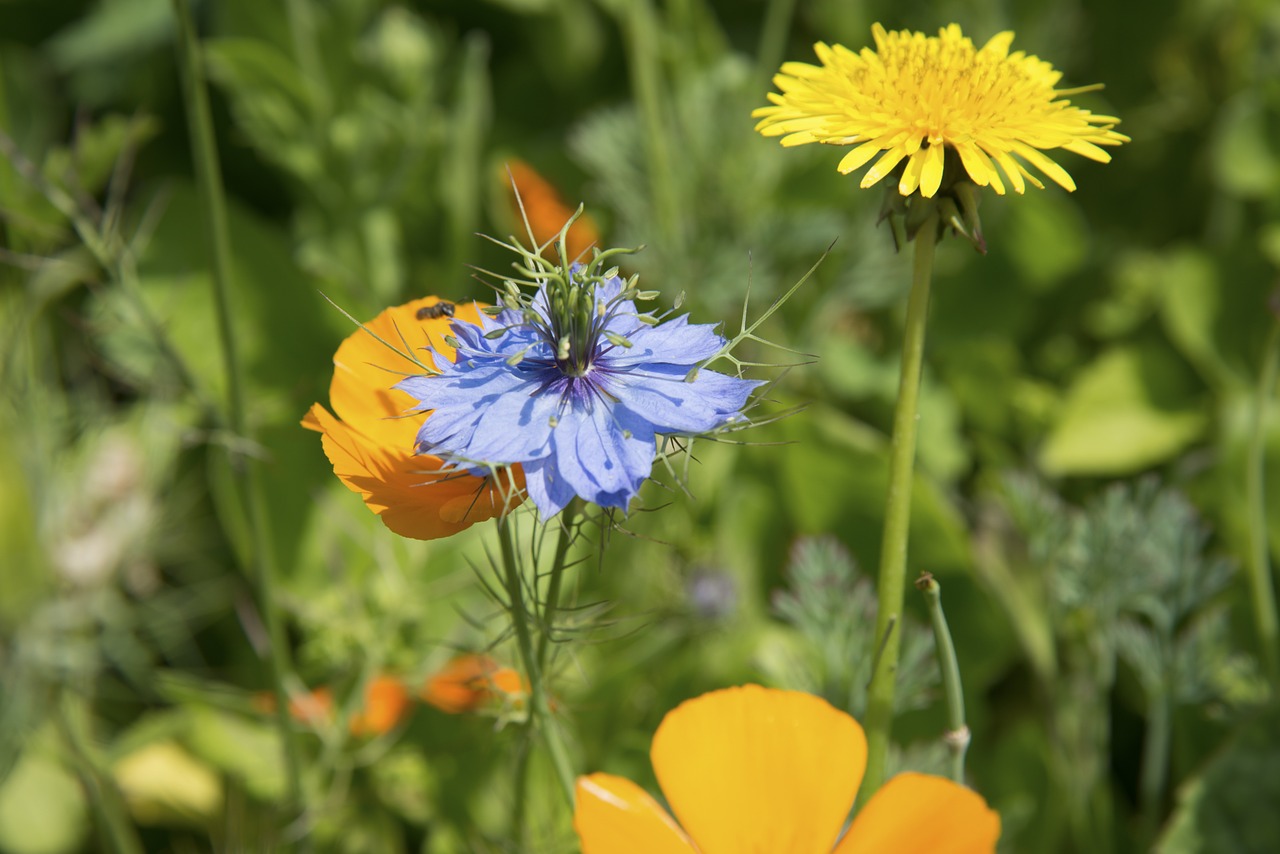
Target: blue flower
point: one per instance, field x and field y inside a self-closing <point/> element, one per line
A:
<point x="574" y="385"/>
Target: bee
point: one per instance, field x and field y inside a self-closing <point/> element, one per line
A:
<point x="434" y="312"/>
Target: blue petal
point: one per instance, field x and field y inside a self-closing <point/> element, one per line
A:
<point x="661" y="396"/>
<point x="547" y="490"/>
<point x="603" y="453"/>
<point x="491" y="414"/>
<point x="675" y="341"/>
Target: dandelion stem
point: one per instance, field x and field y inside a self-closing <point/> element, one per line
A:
<point x="957" y="736"/>
<point x="245" y="474"/>
<point x="897" y="521"/>
<point x="539" y="708"/>
<point x="1262" y="589"/>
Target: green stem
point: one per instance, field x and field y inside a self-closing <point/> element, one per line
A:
<point x="773" y="37"/>
<point x="958" y="735"/>
<point x="246" y="475"/>
<point x="1261" y="587"/>
<point x="105" y="797"/>
<point x="643" y="41"/>
<point x="1155" y="761"/>
<point x="539" y="708"/>
<point x="568" y="534"/>
<point x="897" y="520"/>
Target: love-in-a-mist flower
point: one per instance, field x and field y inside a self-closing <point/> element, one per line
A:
<point x="753" y="770"/>
<point x="370" y="442"/>
<point x="916" y="98"/>
<point x="575" y="384"/>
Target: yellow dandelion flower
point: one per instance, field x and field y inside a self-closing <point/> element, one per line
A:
<point x="915" y="97"/>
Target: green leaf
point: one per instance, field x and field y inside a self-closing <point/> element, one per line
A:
<point x="1129" y="409"/>
<point x="1230" y="805"/>
<point x="1191" y="307"/>
<point x="825" y="443"/>
<point x="1244" y="160"/>
<point x="42" y="808"/>
<point x="244" y="749"/>
<point x="111" y="31"/>
<point x="1047" y="241"/>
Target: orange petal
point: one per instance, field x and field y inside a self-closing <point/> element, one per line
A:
<point x="756" y="769"/>
<point x="615" y="816"/>
<point x="312" y="708"/>
<point x="545" y="210"/>
<point x="401" y="487"/>
<point x="365" y="368"/>
<point x="386" y="701"/>
<point x="922" y="813"/>
<point x="461" y="685"/>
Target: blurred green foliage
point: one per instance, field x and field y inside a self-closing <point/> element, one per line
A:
<point x="1106" y="646"/>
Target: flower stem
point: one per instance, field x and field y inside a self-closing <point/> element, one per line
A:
<point x="643" y="41"/>
<point x="773" y="36"/>
<point x="568" y="533"/>
<point x="104" y="795"/>
<point x="1262" y="589"/>
<point x="246" y="476"/>
<point x="1155" y="756"/>
<point x="958" y="735"/>
<point x="539" y="708"/>
<point x="897" y="519"/>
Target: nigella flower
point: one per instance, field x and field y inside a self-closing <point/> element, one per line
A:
<point x="576" y="385"/>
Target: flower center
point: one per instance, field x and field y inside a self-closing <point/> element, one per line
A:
<point x="577" y="321"/>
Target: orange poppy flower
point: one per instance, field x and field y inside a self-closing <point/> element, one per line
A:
<point x="386" y="702"/>
<point x="545" y="209"/>
<point x="757" y="769"/>
<point x="370" y="442"/>
<point x="312" y="708"/>
<point x="469" y="681"/>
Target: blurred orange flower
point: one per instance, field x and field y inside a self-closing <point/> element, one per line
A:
<point x="469" y="681"/>
<point x="370" y="442"/>
<point x="545" y="209"/>
<point x="756" y="769"/>
<point x="386" y="702"/>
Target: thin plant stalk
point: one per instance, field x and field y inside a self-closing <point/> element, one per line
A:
<point x="568" y="519"/>
<point x="891" y="585"/>
<point x="643" y="41"/>
<point x="958" y="736"/>
<point x="773" y="36"/>
<point x="539" y="709"/>
<point x="1261" y="587"/>
<point x="245" y="474"/>
<point x="1155" y="756"/>
<point x="105" y="797"/>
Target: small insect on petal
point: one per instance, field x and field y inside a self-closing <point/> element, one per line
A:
<point x="436" y="311"/>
